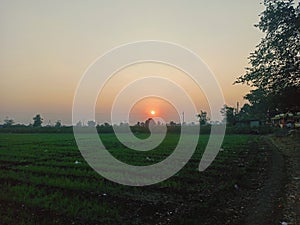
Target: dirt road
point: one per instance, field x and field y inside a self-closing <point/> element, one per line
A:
<point x="275" y="197"/>
<point x="289" y="147"/>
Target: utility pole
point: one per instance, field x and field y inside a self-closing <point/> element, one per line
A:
<point x="182" y="117"/>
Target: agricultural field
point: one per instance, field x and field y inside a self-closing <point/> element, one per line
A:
<point x="45" y="180"/>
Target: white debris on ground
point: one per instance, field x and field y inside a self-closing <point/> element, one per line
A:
<point x="77" y="162"/>
<point x="148" y="158"/>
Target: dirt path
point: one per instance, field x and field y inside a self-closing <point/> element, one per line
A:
<point x="263" y="210"/>
<point x="278" y="200"/>
<point x="289" y="146"/>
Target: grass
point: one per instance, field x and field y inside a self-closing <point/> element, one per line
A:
<point x="38" y="175"/>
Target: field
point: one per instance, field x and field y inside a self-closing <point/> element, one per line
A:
<point x="45" y="180"/>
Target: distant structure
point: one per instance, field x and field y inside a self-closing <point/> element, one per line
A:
<point x="289" y="120"/>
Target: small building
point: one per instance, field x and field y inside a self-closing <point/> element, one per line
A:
<point x="248" y="123"/>
<point x="254" y="123"/>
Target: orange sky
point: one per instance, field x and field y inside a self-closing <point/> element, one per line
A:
<point x="47" y="46"/>
<point x="141" y="109"/>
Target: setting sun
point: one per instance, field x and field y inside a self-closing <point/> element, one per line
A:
<point x="152" y="112"/>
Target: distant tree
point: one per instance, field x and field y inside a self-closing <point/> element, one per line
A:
<point x="58" y="124"/>
<point x="37" y="121"/>
<point x="149" y="121"/>
<point x="228" y="114"/>
<point x="202" y="117"/>
<point x="123" y="124"/>
<point x="172" y="124"/>
<point x="275" y="63"/>
<point x="107" y="124"/>
<point x="8" y="122"/>
<point x="91" y="123"/>
<point x="79" y="124"/>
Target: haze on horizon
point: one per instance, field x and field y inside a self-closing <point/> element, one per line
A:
<point x="47" y="46"/>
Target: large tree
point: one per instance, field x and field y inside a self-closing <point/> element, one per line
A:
<point x="275" y="63"/>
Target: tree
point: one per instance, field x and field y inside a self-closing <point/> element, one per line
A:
<point x="228" y="114"/>
<point x="275" y="63"/>
<point x="260" y="104"/>
<point x="245" y="112"/>
<point x="37" y="121"/>
<point x="149" y="122"/>
<point x="79" y="124"/>
<point x="8" y="122"/>
<point x="91" y="123"/>
<point x="107" y="124"/>
<point x="58" y="124"/>
<point x="202" y="117"/>
<point x="172" y="124"/>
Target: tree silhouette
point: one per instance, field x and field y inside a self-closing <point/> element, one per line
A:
<point x="91" y="123"/>
<point x="229" y="115"/>
<point x="172" y="124"/>
<point x="149" y="122"/>
<point x="275" y="64"/>
<point x="57" y="124"/>
<point x="202" y="117"/>
<point x="37" y="121"/>
<point x="8" y="122"/>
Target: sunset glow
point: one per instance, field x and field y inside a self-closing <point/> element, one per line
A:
<point x="53" y="46"/>
<point x="152" y="112"/>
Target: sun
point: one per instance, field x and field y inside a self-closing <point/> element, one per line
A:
<point x="152" y="112"/>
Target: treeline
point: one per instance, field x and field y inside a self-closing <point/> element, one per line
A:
<point x="101" y="129"/>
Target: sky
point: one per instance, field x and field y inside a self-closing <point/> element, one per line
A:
<point x="46" y="47"/>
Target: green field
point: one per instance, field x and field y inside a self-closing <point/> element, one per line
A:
<point x="45" y="180"/>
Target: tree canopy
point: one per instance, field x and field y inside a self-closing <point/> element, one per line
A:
<point x="37" y="121"/>
<point x="8" y="122"/>
<point x="202" y="117"/>
<point x="228" y="114"/>
<point x="274" y="70"/>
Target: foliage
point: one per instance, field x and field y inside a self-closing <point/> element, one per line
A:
<point x="79" y="124"/>
<point x="8" y="122"/>
<point x="275" y="63"/>
<point x="37" y="121"/>
<point x="91" y="123"/>
<point x="57" y="124"/>
<point x="202" y="117"/>
<point x="228" y="114"/>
